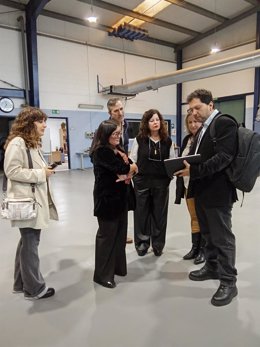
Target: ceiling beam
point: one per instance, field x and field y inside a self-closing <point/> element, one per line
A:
<point x="220" y="27"/>
<point x="12" y="4"/>
<point x="74" y="20"/>
<point x="105" y="28"/>
<point x="34" y="7"/>
<point x="12" y="93"/>
<point x="125" y="12"/>
<point x="200" y="10"/>
<point x="253" y="2"/>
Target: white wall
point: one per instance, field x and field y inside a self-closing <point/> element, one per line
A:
<point x="68" y="76"/>
<point x="224" y="85"/>
<point x="11" y="65"/>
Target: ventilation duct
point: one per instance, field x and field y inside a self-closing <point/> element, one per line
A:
<point x="218" y="67"/>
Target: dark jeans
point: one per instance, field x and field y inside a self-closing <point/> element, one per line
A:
<point x="220" y="249"/>
<point x="110" y="258"/>
<point x="150" y="217"/>
<point x="27" y="275"/>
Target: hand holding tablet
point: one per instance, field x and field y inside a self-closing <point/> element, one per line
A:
<point x="176" y="164"/>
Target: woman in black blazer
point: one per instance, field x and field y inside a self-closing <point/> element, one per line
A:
<point x="113" y="171"/>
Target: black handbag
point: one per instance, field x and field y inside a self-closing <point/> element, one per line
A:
<point x="131" y="199"/>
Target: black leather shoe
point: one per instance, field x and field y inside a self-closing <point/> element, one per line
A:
<point x="192" y="253"/>
<point x="203" y="274"/>
<point x="142" y="252"/>
<point x="157" y="252"/>
<point x="106" y="284"/>
<point x="224" y="295"/>
<point x="200" y="257"/>
<point x="50" y="292"/>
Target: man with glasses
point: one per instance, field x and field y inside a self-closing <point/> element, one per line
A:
<point x="214" y="195"/>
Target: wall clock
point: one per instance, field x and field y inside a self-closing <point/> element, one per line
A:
<point x="6" y="105"/>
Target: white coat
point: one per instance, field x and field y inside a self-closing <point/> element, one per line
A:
<point x="19" y="177"/>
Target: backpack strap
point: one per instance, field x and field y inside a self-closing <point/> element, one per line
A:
<point x="212" y="129"/>
<point x="213" y="135"/>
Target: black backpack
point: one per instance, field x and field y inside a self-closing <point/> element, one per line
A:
<point x="245" y="167"/>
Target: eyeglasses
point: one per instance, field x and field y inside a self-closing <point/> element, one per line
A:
<point x="116" y="134"/>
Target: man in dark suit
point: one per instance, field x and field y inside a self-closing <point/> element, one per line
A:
<point x="214" y="195"/>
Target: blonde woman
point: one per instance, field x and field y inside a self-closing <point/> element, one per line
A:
<point x="182" y="183"/>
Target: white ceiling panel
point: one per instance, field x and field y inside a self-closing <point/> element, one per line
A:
<point x="180" y="25"/>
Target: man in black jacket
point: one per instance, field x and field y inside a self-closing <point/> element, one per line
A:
<point x="214" y="195"/>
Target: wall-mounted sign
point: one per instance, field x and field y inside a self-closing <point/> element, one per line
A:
<point x="55" y="111"/>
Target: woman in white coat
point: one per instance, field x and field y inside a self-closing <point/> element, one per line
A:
<point x="26" y="132"/>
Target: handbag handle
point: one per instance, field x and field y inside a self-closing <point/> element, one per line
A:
<point x="30" y="167"/>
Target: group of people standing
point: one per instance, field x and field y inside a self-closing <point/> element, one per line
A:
<point x="208" y="193"/>
<point x="114" y="170"/>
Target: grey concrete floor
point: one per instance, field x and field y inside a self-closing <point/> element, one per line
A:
<point x="155" y="305"/>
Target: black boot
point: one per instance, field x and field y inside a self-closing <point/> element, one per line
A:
<point x="201" y="255"/>
<point x="195" y="237"/>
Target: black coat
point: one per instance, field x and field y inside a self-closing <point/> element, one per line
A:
<point x="110" y="197"/>
<point x="209" y="183"/>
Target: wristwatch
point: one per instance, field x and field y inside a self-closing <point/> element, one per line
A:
<point x="6" y="105"/>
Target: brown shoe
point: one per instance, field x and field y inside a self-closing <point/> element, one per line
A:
<point x="129" y="240"/>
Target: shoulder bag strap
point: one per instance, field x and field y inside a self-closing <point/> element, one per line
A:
<point x="30" y="167"/>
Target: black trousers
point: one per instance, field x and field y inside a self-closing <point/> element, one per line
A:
<point x="110" y="257"/>
<point x="220" y="250"/>
<point x="150" y="216"/>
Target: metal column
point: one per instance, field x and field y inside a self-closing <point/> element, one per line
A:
<point x="257" y="72"/>
<point x="179" y="102"/>
<point x="33" y="10"/>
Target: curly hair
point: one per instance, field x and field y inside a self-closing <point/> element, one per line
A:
<point x="24" y="126"/>
<point x="204" y="95"/>
<point x="144" y="130"/>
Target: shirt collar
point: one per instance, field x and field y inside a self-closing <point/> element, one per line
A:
<point x="210" y="119"/>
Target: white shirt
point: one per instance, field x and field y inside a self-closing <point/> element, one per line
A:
<point x="134" y="151"/>
<point x="205" y="125"/>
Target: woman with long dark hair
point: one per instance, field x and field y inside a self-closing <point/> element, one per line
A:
<point x="113" y="171"/>
<point x="25" y="134"/>
<point x="150" y="148"/>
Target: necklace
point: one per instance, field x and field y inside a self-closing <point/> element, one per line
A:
<point x="154" y="147"/>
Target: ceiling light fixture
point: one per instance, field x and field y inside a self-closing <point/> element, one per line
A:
<point x="91" y="106"/>
<point x="215" y="49"/>
<point x="92" y="18"/>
